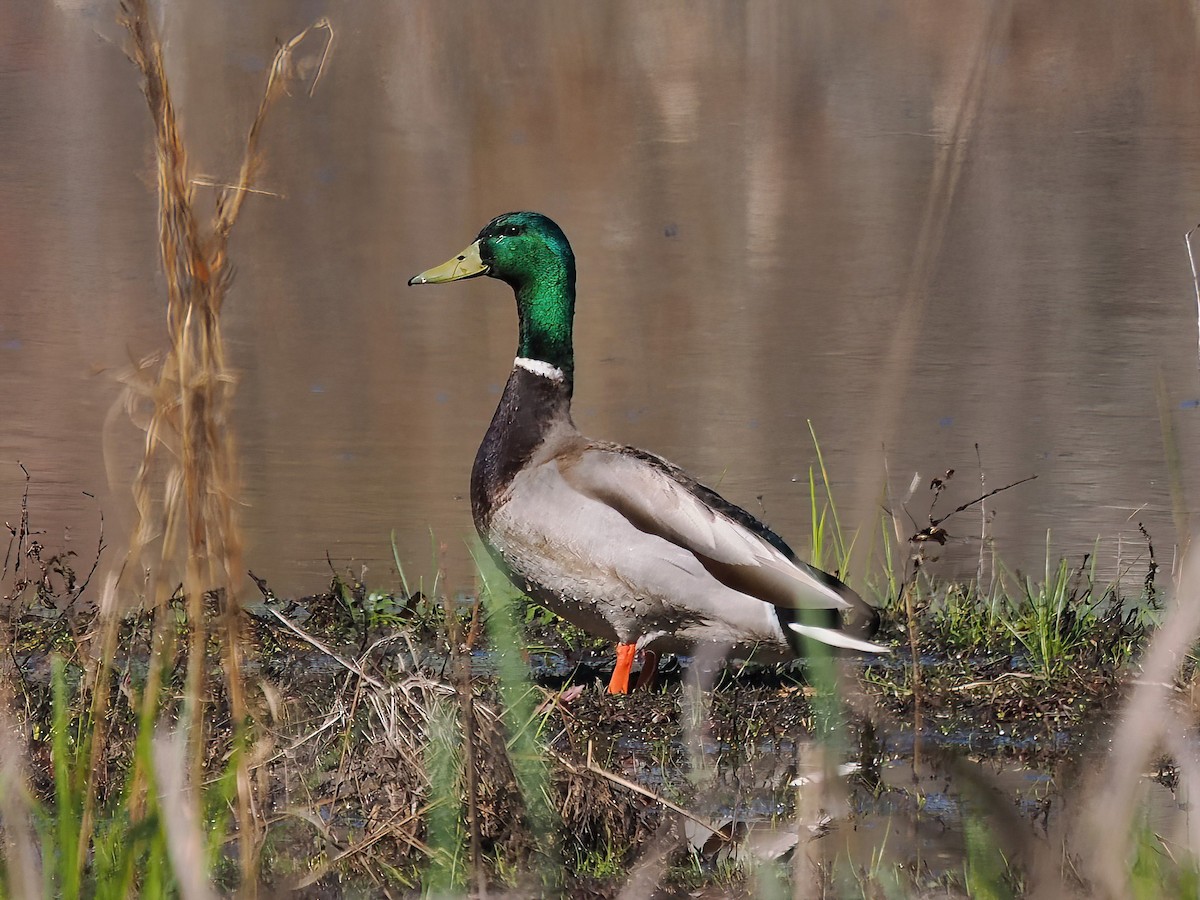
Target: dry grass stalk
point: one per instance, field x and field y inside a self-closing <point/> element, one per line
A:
<point x="181" y="817"/>
<point x="392" y="735"/>
<point x="1187" y="241"/>
<point x="320" y="645"/>
<point x="20" y="854"/>
<point x="1146" y="718"/>
<point x="1152" y="711"/>
<point x="188" y="448"/>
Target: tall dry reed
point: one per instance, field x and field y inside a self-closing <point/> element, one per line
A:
<point x="187" y="537"/>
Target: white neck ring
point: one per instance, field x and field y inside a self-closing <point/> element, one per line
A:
<point x="539" y="367"/>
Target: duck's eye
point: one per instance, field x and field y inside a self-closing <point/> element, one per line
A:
<point x="512" y="230"/>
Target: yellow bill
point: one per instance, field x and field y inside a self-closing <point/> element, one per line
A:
<point x="466" y="265"/>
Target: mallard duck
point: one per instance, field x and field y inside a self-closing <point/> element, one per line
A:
<point x="614" y="539"/>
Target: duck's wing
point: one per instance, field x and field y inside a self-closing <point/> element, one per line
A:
<point x="739" y="551"/>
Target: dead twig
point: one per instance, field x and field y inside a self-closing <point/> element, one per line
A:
<point x="934" y="531"/>
<point x="390" y="827"/>
<point x="324" y="648"/>
<point x="723" y="832"/>
<point x="971" y="685"/>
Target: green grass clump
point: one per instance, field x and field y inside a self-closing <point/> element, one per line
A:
<point x="1071" y="617"/>
<point x="1066" y="621"/>
<point x="122" y="849"/>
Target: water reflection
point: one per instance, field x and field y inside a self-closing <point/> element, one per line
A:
<point x="745" y="186"/>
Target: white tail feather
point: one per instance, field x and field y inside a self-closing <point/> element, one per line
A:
<point x="835" y="638"/>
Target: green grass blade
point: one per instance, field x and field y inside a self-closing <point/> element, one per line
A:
<point x="839" y="543"/>
<point x="520" y="701"/>
<point x="446" y="834"/>
<point x="67" y="810"/>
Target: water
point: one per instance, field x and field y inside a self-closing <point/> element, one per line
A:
<point x="745" y="186"/>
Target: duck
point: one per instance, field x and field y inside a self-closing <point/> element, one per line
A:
<point x="614" y="539"/>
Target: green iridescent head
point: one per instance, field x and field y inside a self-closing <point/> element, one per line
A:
<point x="529" y="252"/>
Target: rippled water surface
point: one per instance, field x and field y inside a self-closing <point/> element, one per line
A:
<point x="923" y="227"/>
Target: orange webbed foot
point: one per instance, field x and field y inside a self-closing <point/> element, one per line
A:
<point x="619" y="683"/>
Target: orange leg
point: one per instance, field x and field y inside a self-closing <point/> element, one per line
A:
<point x="649" y="670"/>
<point x="619" y="683"/>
